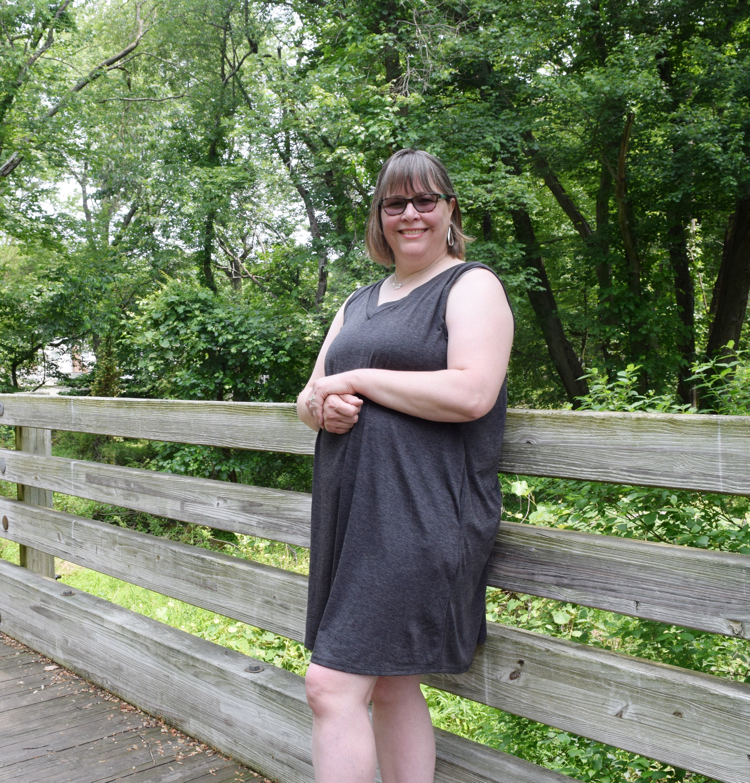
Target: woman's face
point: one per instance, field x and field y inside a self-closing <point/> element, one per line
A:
<point x="418" y="237"/>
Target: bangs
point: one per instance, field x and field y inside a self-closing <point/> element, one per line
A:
<point x="417" y="172"/>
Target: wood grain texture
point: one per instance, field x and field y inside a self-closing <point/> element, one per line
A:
<point x="698" y="452"/>
<point x="254" y="511"/>
<point x="35" y="441"/>
<point x="244" y="425"/>
<point x="695" y="588"/>
<point x="254" y="593"/>
<point x="694" y="721"/>
<point x="570" y="686"/>
<point x="259" y="719"/>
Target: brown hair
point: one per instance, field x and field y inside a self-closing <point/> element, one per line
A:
<point x="405" y="169"/>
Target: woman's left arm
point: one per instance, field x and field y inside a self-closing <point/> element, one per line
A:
<point x="480" y="334"/>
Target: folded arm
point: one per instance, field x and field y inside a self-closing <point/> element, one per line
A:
<point x="480" y="334"/>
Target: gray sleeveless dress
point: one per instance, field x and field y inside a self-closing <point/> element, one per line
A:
<point x="405" y="510"/>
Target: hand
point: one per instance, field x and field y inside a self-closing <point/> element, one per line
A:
<point x="340" y="412"/>
<point x="321" y="388"/>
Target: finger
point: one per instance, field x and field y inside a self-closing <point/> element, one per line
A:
<point x="342" y="409"/>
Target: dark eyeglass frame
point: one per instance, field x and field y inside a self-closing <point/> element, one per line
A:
<point x="411" y="201"/>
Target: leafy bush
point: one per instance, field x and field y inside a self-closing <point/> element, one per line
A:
<point x="724" y="382"/>
<point x="621" y="394"/>
<point x="190" y="343"/>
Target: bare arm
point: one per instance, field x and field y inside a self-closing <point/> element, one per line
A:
<point x="480" y="335"/>
<point x="341" y="411"/>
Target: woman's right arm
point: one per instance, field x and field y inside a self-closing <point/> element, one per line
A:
<point x="341" y="410"/>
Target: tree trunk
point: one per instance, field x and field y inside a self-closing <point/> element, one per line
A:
<point x="542" y="300"/>
<point x="729" y="301"/>
<point x="206" y="253"/>
<point x="679" y="258"/>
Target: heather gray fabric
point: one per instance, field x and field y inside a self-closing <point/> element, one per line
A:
<point x="405" y="510"/>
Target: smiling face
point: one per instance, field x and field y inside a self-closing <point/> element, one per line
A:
<point x="408" y="173"/>
<point x="417" y="238"/>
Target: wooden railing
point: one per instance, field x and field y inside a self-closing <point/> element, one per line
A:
<point x="256" y="712"/>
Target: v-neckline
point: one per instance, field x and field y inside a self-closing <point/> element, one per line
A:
<point x="375" y="293"/>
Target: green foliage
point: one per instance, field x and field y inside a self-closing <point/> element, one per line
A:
<point x="265" y="469"/>
<point x="110" y="450"/>
<point x="623" y="394"/>
<point x="192" y="343"/>
<point x="724" y="382"/>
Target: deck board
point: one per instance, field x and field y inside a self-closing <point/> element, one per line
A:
<point x="59" y="728"/>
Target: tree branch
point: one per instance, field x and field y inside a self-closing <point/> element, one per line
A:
<point x="15" y="158"/>
<point x="623" y="212"/>
<point x="540" y="163"/>
<point x="137" y="100"/>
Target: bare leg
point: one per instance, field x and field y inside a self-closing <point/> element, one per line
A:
<point x="343" y="745"/>
<point x="404" y="736"/>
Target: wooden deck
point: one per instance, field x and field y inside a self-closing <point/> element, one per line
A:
<point x="55" y="727"/>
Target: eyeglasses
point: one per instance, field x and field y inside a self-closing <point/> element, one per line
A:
<point x="424" y="202"/>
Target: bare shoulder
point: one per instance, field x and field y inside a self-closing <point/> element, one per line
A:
<point x="478" y="279"/>
<point x="476" y="292"/>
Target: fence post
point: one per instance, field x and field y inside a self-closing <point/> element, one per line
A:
<point x="35" y="441"/>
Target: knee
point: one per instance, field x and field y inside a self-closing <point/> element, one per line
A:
<point x="329" y="691"/>
<point x="320" y="688"/>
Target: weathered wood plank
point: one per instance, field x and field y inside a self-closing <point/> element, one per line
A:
<point x="551" y="698"/>
<point x="699" y="452"/>
<point x="35" y="441"/>
<point x="22" y="699"/>
<point x="268" y="597"/>
<point x="51" y="717"/>
<point x="254" y="511"/>
<point x="243" y="425"/>
<point x="691" y="720"/>
<point x="696" y="588"/>
<point x="59" y="740"/>
<point x="19" y="752"/>
<point x="261" y="719"/>
<point x="116" y="755"/>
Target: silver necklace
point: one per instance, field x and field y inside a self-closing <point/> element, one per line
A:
<point x="395" y="283"/>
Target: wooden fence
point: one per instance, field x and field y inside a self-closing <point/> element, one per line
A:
<point x="256" y="712"/>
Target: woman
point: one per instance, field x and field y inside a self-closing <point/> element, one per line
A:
<point x="408" y="395"/>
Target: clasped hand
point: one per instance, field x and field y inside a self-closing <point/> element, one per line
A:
<point x="334" y="405"/>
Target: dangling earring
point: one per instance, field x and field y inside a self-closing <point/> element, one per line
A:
<point x="450" y="236"/>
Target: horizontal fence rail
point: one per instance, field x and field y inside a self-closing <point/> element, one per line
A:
<point x="681" y="451"/>
<point x="648" y="708"/>
<point x="697" y="452"/>
<point x="268" y="426"/>
<point x="696" y="588"/>
<point x="254" y="511"/>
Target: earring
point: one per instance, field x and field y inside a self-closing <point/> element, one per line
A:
<point x="450" y="236"/>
